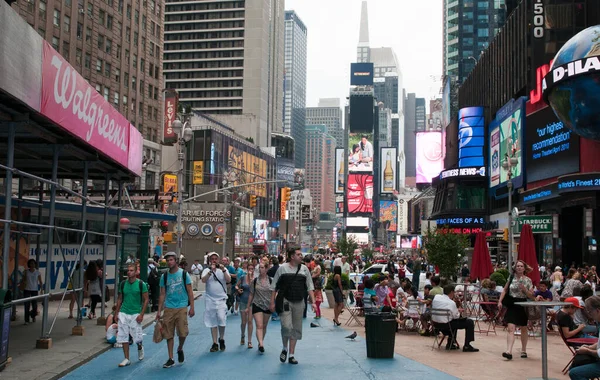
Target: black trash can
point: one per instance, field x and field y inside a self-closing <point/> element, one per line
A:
<point x="380" y="329"/>
<point x="5" y="314"/>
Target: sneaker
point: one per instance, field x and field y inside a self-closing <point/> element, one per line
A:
<point x="124" y="363"/>
<point x="292" y="360"/>
<point x="283" y="356"/>
<point x="261" y="349"/>
<point x="180" y="356"/>
<point x="222" y="344"/>
<point x="141" y="353"/>
<point x="170" y="363"/>
<point x="214" y="348"/>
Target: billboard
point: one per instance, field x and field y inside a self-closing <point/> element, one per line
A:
<point x="340" y="173"/>
<point x="430" y="161"/>
<point x="471" y="139"/>
<point x="388" y="170"/>
<point x="171" y="99"/>
<point x="388" y="212"/>
<point x="361" y="153"/>
<point x="402" y="216"/>
<point x="506" y="139"/>
<point x="361" y="74"/>
<point x="360" y="238"/>
<point x="360" y="193"/>
<point x="409" y="241"/>
<point x="552" y="149"/>
<point x="261" y="230"/>
<point x="249" y="169"/>
<point x="358" y="222"/>
<point x="361" y="113"/>
<point x="169" y="183"/>
<point x="198" y="173"/>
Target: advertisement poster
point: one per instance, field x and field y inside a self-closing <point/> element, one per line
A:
<point x="360" y="193"/>
<point x="471" y="137"/>
<point x="340" y="173"/>
<point x="260" y="231"/>
<point x="410" y="241"/>
<point x="552" y="149"/>
<point x="506" y="139"/>
<point x="169" y="183"/>
<point x="388" y="214"/>
<point x="171" y="99"/>
<point x="361" y="153"/>
<point x="249" y="169"/>
<point x="430" y="161"/>
<point x="360" y="238"/>
<point x="198" y="175"/>
<point x="388" y="170"/>
<point x="362" y="113"/>
<point x="494" y="156"/>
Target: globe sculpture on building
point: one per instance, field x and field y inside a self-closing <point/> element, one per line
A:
<point x="572" y="85"/>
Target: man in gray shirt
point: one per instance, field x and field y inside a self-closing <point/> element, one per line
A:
<point x="367" y="149"/>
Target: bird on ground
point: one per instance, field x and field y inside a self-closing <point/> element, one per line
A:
<point x="352" y="336"/>
<point x="314" y="325"/>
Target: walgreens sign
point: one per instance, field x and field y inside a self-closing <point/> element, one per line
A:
<point x="69" y="100"/>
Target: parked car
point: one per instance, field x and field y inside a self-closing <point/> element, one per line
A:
<point x="382" y="268"/>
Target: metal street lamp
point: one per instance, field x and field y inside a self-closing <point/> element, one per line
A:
<point x="508" y="164"/>
<point x="185" y="134"/>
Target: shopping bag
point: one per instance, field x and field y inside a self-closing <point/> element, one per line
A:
<point x="158" y="332"/>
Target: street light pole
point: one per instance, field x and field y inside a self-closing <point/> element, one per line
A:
<point x="225" y="193"/>
<point x="508" y="164"/>
<point x="184" y="136"/>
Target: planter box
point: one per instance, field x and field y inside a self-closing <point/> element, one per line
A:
<point x="330" y="300"/>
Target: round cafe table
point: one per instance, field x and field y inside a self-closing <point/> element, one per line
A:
<point x="543" y="305"/>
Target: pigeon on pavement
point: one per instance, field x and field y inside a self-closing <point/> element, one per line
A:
<point x="352" y="336"/>
<point x="314" y="325"/>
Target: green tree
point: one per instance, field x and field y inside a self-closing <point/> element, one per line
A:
<point x="445" y="250"/>
<point x="346" y="247"/>
<point x="368" y="254"/>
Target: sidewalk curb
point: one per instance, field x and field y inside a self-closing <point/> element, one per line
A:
<point x="100" y="351"/>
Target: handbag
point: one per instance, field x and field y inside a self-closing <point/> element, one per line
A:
<point x="583" y="359"/>
<point x="508" y="300"/>
<point x="157" y="337"/>
<point x="281" y="294"/>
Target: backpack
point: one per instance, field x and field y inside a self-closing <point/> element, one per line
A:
<point x="153" y="277"/>
<point x="182" y="281"/>
<point x="270" y="281"/>
<point x="122" y="286"/>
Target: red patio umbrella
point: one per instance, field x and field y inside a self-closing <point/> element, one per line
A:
<point x="481" y="266"/>
<point x="527" y="253"/>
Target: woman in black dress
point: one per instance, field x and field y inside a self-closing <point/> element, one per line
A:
<point x="520" y="288"/>
<point x="338" y="296"/>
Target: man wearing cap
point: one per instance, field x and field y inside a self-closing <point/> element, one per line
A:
<point x="196" y="271"/>
<point x="175" y="297"/>
<point x="216" y="276"/>
<point x="338" y="261"/>
<point x="566" y="322"/>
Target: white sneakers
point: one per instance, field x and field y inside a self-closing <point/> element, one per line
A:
<point x="141" y="353"/>
<point x="127" y="362"/>
<point x="124" y="363"/>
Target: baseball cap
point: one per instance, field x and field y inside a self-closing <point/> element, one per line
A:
<point x="211" y="254"/>
<point x="574" y="301"/>
<point x="340" y="255"/>
<point x="170" y="254"/>
<point x="558" y="268"/>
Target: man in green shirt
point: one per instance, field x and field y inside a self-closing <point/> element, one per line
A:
<point x="436" y="290"/>
<point x="132" y="303"/>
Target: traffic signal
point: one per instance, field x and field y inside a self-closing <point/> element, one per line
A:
<point x="505" y="235"/>
<point x="286" y="194"/>
<point x="252" y="201"/>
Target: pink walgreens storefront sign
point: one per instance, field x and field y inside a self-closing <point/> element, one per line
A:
<point x="69" y="101"/>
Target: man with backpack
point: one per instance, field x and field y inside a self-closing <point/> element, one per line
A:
<point x="131" y="306"/>
<point x="175" y="297"/>
<point x="216" y="276"/>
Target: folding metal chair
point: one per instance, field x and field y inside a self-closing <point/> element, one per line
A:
<point x="444" y="328"/>
<point x="354" y="312"/>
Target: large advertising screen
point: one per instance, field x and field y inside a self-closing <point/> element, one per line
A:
<point x="506" y="139"/>
<point x="361" y="153"/>
<point x="471" y="139"/>
<point x="340" y="173"/>
<point x="361" y="113"/>
<point x="552" y="149"/>
<point x="360" y="193"/>
<point x="261" y="229"/>
<point x="409" y="241"/>
<point x="388" y="214"/>
<point x="388" y="170"/>
<point x="248" y="169"/>
<point x="361" y="74"/>
<point x="430" y="161"/>
<point x="359" y="238"/>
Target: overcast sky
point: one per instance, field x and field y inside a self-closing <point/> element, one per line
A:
<point x="413" y="28"/>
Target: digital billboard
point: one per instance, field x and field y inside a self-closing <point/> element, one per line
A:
<point x="360" y="193"/>
<point x="409" y="241"/>
<point x="552" y="149"/>
<point x="249" y="169"/>
<point x="506" y="139"/>
<point x="358" y="222"/>
<point x="361" y="113"/>
<point x="388" y="212"/>
<point x="388" y="170"/>
<point x="340" y="173"/>
<point x="261" y="230"/>
<point x="430" y="161"/>
<point x="360" y="238"/>
<point x="361" y="74"/>
<point x="361" y="153"/>
<point x="471" y="137"/>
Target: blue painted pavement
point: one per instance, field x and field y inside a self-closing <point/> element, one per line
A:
<point x="323" y="351"/>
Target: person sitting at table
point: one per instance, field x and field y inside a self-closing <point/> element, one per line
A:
<point x="369" y="296"/>
<point x="543" y="292"/>
<point x="436" y="288"/>
<point x="580" y="316"/>
<point x="591" y="370"/>
<point x="446" y="302"/>
<point x="426" y="311"/>
<point x="565" y="321"/>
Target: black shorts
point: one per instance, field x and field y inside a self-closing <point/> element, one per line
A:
<point x="256" y="309"/>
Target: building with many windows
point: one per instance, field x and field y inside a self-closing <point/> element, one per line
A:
<point x="225" y="58"/>
<point x="320" y="167"/>
<point x="329" y="113"/>
<point x="294" y="84"/>
<point x="415" y="121"/>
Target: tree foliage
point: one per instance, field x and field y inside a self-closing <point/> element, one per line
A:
<point x="346" y="247"/>
<point x="445" y="250"/>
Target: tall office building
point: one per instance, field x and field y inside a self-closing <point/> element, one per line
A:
<point x="320" y="167"/>
<point x="469" y="26"/>
<point x="415" y="121"/>
<point x="117" y="47"/>
<point x="225" y="58"/>
<point x="329" y="113"/>
<point x="420" y="115"/>
<point x="294" y="84"/>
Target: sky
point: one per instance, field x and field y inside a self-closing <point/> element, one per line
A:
<point x="412" y="28"/>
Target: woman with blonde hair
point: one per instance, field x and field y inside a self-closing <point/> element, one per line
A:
<point x="518" y="288"/>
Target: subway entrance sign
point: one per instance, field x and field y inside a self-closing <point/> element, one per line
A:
<point x="540" y="224"/>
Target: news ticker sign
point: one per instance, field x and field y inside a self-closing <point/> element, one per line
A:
<point x="540" y="224"/>
<point x="463" y="172"/>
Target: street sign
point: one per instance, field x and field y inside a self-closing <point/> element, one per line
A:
<point x="540" y="224"/>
